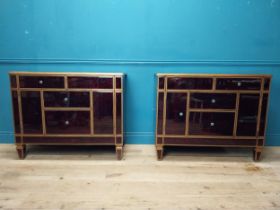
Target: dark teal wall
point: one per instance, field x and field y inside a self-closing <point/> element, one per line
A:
<point x="140" y="38"/>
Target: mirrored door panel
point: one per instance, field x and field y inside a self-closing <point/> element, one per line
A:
<point x="211" y="123"/>
<point x="103" y="113"/>
<point x="31" y="112"/>
<point x="66" y="99"/>
<point x="248" y="114"/>
<point x="176" y="113"/>
<point x="67" y="122"/>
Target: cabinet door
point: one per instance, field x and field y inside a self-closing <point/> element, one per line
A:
<point x="103" y="113"/>
<point x="211" y="123"/>
<point x="176" y="113"/>
<point x="67" y="122"/>
<point x="248" y="113"/>
<point x="189" y="83"/>
<point x="31" y="112"/>
<point x="16" y="111"/>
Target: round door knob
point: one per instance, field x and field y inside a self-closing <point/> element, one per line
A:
<point x="65" y="99"/>
<point x="212" y="124"/>
<point x="213" y="101"/>
<point x="181" y="114"/>
<point x="41" y="82"/>
<point x="66" y="122"/>
<point x="239" y="84"/>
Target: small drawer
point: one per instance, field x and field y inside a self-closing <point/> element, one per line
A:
<point x="238" y="84"/>
<point x="210" y="123"/>
<point x="90" y="82"/>
<point x="189" y="83"/>
<point x="67" y="122"/>
<point x="66" y="99"/>
<point x="213" y="101"/>
<point x="41" y="82"/>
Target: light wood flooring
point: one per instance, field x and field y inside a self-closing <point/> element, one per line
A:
<point x="91" y="178"/>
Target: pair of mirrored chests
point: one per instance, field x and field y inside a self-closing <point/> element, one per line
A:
<point x="207" y="110"/>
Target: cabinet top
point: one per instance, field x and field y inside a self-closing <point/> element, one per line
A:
<point x="212" y="75"/>
<point x="26" y="73"/>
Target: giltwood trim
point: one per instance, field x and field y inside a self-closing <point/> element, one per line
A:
<point x="210" y="91"/>
<point x="164" y="107"/>
<point x="68" y="90"/>
<point x="260" y="108"/>
<point x="207" y="136"/>
<point x="215" y="75"/>
<point x="236" y="114"/>
<point x="156" y="132"/>
<point x="214" y="83"/>
<point x="91" y="112"/>
<point x="54" y="74"/>
<point x="188" y="110"/>
<point x="65" y="135"/>
<point x="19" y="106"/>
<point x="114" y="110"/>
<point x="43" y="112"/>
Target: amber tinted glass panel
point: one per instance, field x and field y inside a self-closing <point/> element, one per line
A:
<point x="213" y="101"/>
<point x="41" y="82"/>
<point x="189" y="83"/>
<point x="176" y="113"/>
<point x="266" y="83"/>
<point x="13" y="81"/>
<point x="161" y="82"/>
<point x="16" y="111"/>
<point x="67" y="122"/>
<point x="238" y="84"/>
<point x="248" y="113"/>
<point x="31" y="112"/>
<point x="66" y="99"/>
<point x="103" y="113"/>
<point x="160" y="113"/>
<point x="118" y="82"/>
<point x="263" y="114"/>
<point x="119" y="113"/>
<point x="206" y="123"/>
<point x="90" y="82"/>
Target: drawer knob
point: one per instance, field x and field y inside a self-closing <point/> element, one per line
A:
<point x="239" y="84"/>
<point x="41" y="82"/>
<point x="213" y="101"/>
<point x="65" y="99"/>
<point x="181" y="114"/>
<point x="212" y="124"/>
<point x="66" y="122"/>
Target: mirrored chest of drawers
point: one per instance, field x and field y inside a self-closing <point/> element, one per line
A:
<point x="67" y="109"/>
<point x="212" y="110"/>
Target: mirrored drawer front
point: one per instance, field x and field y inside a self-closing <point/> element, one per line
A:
<point x="90" y="82"/>
<point x="213" y="101"/>
<point x="207" y="123"/>
<point x="41" y="82"/>
<point x="238" y="84"/>
<point x="189" y="83"/>
<point x="66" y="99"/>
<point x="67" y="122"/>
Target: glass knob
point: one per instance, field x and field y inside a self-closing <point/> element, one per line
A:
<point x="41" y="82"/>
<point x="239" y="84"/>
<point x="213" y="101"/>
<point x="65" y="99"/>
<point x="66" y="122"/>
<point x="181" y="114"/>
<point x="212" y="124"/>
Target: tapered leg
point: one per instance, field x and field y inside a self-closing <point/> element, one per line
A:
<point x="21" y="149"/>
<point x="257" y="153"/>
<point x="119" y="152"/>
<point x="159" y="152"/>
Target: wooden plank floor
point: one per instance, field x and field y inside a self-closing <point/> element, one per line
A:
<point x="91" y="178"/>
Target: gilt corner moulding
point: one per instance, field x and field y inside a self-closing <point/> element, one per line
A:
<point x="212" y="110"/>
<point x="61" y="108"/>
